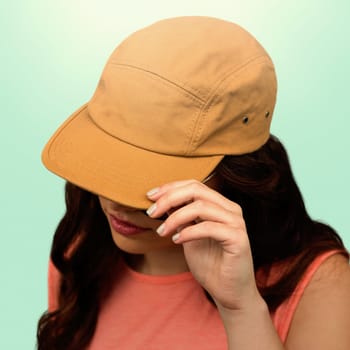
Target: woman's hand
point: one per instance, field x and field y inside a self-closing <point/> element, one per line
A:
<point x="213" y="233"/>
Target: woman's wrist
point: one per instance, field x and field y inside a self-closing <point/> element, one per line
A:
<point x="252" y="308"/>
<point x="250" y="327"/>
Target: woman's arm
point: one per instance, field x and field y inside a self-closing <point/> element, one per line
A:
<point x="216" y="246"/>
<point x="212" y="231"/>
<point x="321" y="320"/>
<point x="250" y="329"/>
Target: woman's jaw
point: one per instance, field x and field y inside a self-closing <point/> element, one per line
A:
<point x="134" y="233"/>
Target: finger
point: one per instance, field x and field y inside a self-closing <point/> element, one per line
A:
<point x="232" y="240"/>
<point x="187" y="192"/>
<point x="196" y="212"/>
<point x="156" y="192"/>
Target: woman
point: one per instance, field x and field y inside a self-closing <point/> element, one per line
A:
<point x="184" y="226"/>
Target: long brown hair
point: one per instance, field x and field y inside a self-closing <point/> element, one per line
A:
<point x="278" y="226"/>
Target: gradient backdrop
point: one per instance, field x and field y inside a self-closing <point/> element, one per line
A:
<point x="52" y="54"/>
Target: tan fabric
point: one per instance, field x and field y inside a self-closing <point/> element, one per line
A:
<point x="173" y="98"/>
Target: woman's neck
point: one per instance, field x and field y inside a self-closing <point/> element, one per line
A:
<point x="159" y="262"/>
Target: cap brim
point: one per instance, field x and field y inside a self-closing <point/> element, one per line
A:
<point x="90" y="158"/>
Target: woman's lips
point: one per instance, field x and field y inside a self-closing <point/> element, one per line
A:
<point x="125" y="228"/>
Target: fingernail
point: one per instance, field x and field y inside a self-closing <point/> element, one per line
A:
<point x="152" y="192"/>
<point x="176" y="237"/>
<point x="160" y="229"/>
<point x="151" y="209"/>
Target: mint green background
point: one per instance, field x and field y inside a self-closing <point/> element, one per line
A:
<point x="52" y="53"/>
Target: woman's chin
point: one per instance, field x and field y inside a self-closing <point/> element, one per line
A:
<point x="142" y="243"/>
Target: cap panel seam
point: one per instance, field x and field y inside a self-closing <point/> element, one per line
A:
<point x="188" y="93"/>
<point x="182" y="84"/>
<point x="199" y="103"/>
<point x="214" y="94"/>
<point x="236" y="70"/>
<point x="105" y="131"/>
<point x="229" y="73"/>
<point x="62" y="128"/>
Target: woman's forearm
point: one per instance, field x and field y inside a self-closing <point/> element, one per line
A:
<point x="251" y="329"/>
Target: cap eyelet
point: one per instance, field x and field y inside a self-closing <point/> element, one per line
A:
<point x="267" y="114"/>
<point x="245" y="119"/>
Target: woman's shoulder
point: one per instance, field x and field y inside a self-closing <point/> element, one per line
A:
<point x="319" y="303"/>
<point x="334" y="268"/>
<point x="324" y="308"/>
<point x="54" y="279"/>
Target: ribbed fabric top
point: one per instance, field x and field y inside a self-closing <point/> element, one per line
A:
<point x="170" y="312"/>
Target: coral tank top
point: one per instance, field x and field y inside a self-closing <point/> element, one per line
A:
<point x="169" y="312"/>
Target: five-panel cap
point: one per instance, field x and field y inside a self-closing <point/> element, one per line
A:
<point x="174" y="98"/>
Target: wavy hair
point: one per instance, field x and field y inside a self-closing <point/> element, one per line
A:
<point x="278" y="226"/>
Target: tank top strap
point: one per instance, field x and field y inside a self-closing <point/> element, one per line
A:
<point x="282" y="317"/>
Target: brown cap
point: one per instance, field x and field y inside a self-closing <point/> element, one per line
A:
<point x="173" y="99"/>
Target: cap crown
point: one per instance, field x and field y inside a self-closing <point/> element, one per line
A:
<point x="187" y="86"/>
